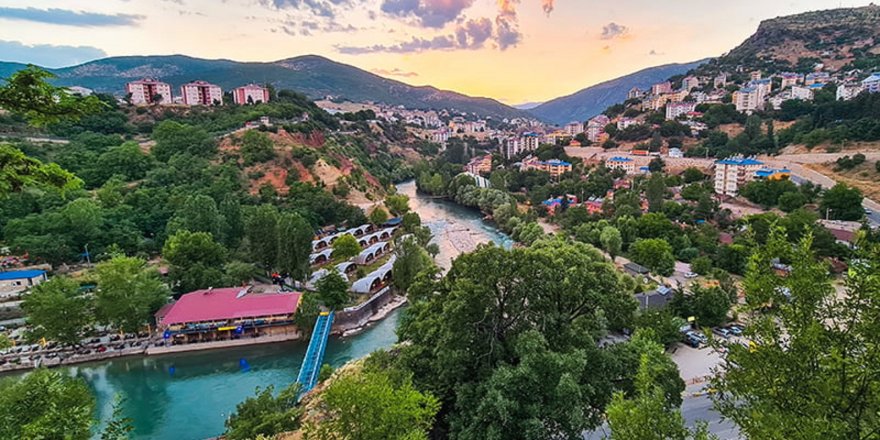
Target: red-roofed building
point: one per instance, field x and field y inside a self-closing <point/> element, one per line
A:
<point x="226" y="313"/>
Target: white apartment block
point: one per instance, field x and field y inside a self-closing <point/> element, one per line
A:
<point x="872" y="83"/>
<point x="201" y="93"/>
<point x="790" y="79"/>
<point x="734" y="172"/>
<point x="621" y="163"/>
<point x="625" y="123"/>
<point x="802" y="93"/>
<point x="661" y="88"/>
<point x="250" y="94"/>
<point x="574" y="128"/>
<point x="848" y="91"/>
<point x="747" y="100"/>
<point x="517" y="145"/>
<point x="690" y="82"/>
<point x="149" y="91"/>
<point x="676" y="109"/>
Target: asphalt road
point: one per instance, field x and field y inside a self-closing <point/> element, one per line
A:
<point x="696" y="407"/>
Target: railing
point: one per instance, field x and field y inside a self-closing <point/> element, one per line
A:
<point x="311" y="366"/>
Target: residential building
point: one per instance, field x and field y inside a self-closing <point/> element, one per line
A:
<point x="764" y="86"/>
<point x="149" y="91"/>
<point x="201" y="93"/>
<point x="623" y="163"/>
<point x="755" y="75"/>
<point x="734" y="172"/>
<point x="250" y="94"/>
<point x="675" y="153"/>
<point x="515" y="146"/>
<point x="748" y="99"/>
<point x="848" y="91"/>
<point x="479" y="165"/>
<point x="661" y="88"/>
<point x="657" y="102"/>
<point x="555" y="167"/>
<point x="802" y="93"/>
<point x="872" y="83"/>
<point x="574" y="128"/>
<point x="689" y="83"/>
<point x="676" y="109"/>
<point x="720" y="81"/>
<point x="596" y="129"/>
<point x="790" y="79"/>
<point x="816" y="77"/>
<point x="14" y="282"/>
<point x="551" y="205"/>
<point x="654" y="299"/>
<point x="634" y="93"/>
<point x="213" y="314"/>
<point x="624" y="123"/>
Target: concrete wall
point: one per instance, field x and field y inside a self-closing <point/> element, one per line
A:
<point x="354" y="317"/>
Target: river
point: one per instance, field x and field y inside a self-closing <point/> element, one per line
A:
<point x="188" y="396"/>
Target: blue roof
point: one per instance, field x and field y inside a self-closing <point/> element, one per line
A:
<point x="556" y="162"/>
<point x="816" y="86"/>
<point x="739" y="161"/>
<point x="21" y="274"/>
<point x="767" y="172"/>
<point x="620" y="159"/>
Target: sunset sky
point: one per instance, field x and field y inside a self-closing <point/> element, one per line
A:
<point x="512" y="50"/>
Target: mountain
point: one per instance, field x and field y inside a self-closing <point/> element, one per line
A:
<point x="527" y="105"/>
<point x="834" y="38"/>
<point x="593" y="100"/>
<point x="312" y="75"/>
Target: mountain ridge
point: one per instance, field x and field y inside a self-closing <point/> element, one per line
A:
<point x="590" y="101"/>
<point x="314" y="75"/>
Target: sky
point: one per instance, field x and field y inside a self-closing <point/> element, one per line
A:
<point x="515" y="51"/>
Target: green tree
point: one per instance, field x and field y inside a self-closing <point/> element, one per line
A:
<point x="655" y="254"/>
<point x="261" y="231"/>
<point x="265" y="414"/>
<point x="649" y="414"/>
<point x="691" y="175"/>
<point x="372" y="405"/>
<point x="791" y="201"/>
<point x="665" y="326"/>
<point x="239" y="272"/>
<point x="59" y="310"/>
<point x="294" y="245"/>
<point x="199" y="213"/>
<point x="398" y="204"/>
<point x="809" y="371"/>
<point x="346" y="247"/>
<point x="656" y="165"/>
<point x="333" y="290"/>
<point x="710" y="305"/>
<point x="411" y="260"/>
<point x="28" y="93"/>
<point x="655" y="192"/>
<point x="841" y="202"/>
<point x="119" y="426"/>
<point x="175" y="138"/>
<point x="129" y="292"/>
<point x="611" y="240"/>
<point x="378" y="216"/>
<point x="256" y="146"/>
<point x="195" y="260"/>
<point x="501" y="321"/>
<point x="701" y="265"/>
<point x="18" y="171"/>
<point x="45" y="404"/>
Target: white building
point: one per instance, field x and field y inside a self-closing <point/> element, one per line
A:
<point x="661" y="88"/>
<point x="734" y="172"/>
<point x="574" y="128"/>
<point x="149" y="91"/>
<point x="676" y="109"/>
<point x="624" y="123"/>
<point x="747" y="100"/>
<point x="14" y="282"/>
<point x="515" y="146"/>
<point x="802" y="93"/>
<point x="790" y="79"/>
<point x="872" y="83"/>
<point x="634" y="93"/>
<point x="621" y="163"/>
<point x="250" y="94"/>
<point x="690" y="82"/>
<point x="720" y="81"/>
<point x="848" y="91"/>
<point x="201" y="93"/>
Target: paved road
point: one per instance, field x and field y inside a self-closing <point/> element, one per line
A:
<point x="697" y="406"/>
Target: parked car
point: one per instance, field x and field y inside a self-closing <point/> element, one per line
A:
<point x="692" y="340"/>
<point x="690" y="275"/>
<point x="735" y="329"/>
<point x="723" y="332"/>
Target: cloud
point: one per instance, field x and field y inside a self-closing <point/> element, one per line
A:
<point x="48" y="55"/>
<point x="68" y="17"/>
<point x="428" y="13"/>
<point x="473" y="33"/>
<point x="394" y="72"/>
<point x="440" y="42"/>
<point x="322" y="8"/>
<point x="309" y="27"/>
<point x="507" y="25"/>
<point x="613" y="30"/>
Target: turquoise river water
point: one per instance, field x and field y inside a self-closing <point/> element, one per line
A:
<point x="189" y="396"/>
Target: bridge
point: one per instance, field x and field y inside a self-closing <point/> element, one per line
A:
<point x="311" y="366"/>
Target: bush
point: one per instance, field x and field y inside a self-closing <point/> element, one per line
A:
<point x="701" y="265"/>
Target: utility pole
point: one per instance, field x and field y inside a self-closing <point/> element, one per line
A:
<point x="88" y="257"/>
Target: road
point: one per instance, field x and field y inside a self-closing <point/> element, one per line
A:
<point x="696" y="407"/>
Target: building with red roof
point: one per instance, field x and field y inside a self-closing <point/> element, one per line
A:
<point x="225" y="313"/>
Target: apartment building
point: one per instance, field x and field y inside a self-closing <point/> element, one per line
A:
<point x="250" y="94"/>
<point x="149" y="91"/>
<point x="201" y="93"/>
<point x="734" y="172"/>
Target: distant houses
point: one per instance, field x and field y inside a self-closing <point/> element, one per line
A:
<point x="149" y="91"/>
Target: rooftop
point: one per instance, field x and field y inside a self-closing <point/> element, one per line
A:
<point x="227" y="303"/>
<point x="741" y="161"/>
<point x="21" y="274"/>
<point x="620" y="159"/>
